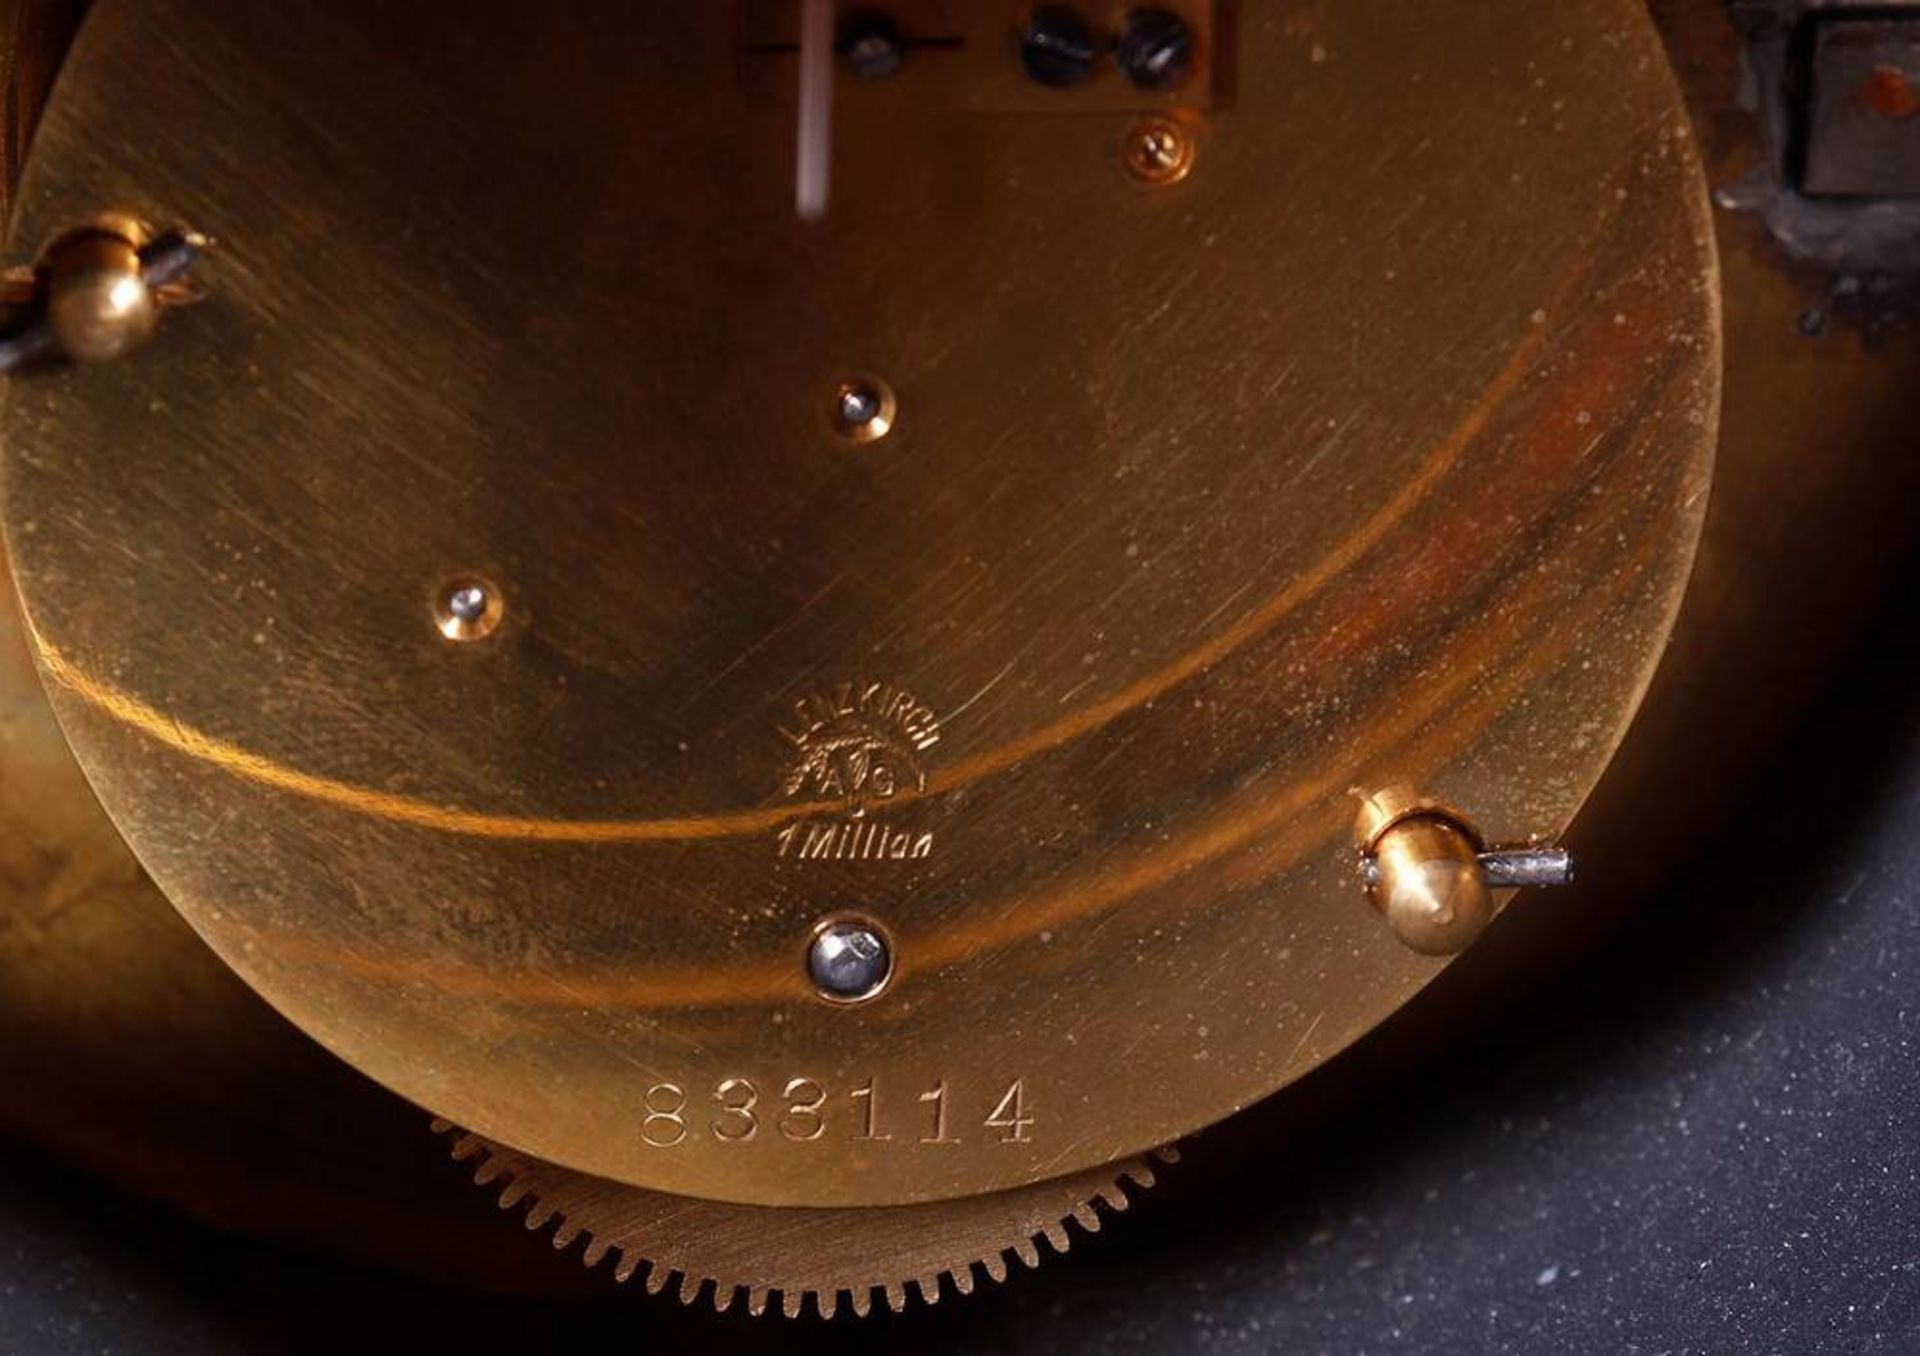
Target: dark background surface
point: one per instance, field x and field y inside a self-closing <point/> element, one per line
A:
<point x="1703" y="1137"/>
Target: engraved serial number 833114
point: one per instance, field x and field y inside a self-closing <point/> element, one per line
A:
<point x="733" y="1112"/>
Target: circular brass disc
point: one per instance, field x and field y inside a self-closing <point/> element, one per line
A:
<point x="1372" y="452"/>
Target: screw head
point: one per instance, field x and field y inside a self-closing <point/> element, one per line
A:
<point x="99" y="307"/>
<point x="849" y="960"/>
<point x="864" y="410"/>
<point x="1058" y="46"/>
<point x="858" y="405"/>
<point x="467" y="603"/>
<point x="1158" y="151"/>
<point x="871" y="47"/>
<point x="1156" y="49"/>
<point x="467" y="608"/>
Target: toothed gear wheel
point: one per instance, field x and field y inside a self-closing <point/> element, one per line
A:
<point x="770" y="1257"/>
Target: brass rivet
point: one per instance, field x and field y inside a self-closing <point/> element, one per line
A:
<point x="1428" y="869"/>
<point x="99" y="306"/>
<point x="1430" y="886"/>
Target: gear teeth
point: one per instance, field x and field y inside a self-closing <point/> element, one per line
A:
<point x="465" y="1147"/>
<point x="519" y="1187"/>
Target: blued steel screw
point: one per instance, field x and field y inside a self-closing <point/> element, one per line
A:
<point x="1156" y="49"/>
<point x="1058" y="46"/>
<point x="872" y="47"/>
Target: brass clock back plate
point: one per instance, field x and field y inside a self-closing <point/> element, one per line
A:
<point x="477" y="618"/>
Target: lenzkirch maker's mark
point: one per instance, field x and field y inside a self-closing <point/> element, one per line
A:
<point x="862" y="744"/>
